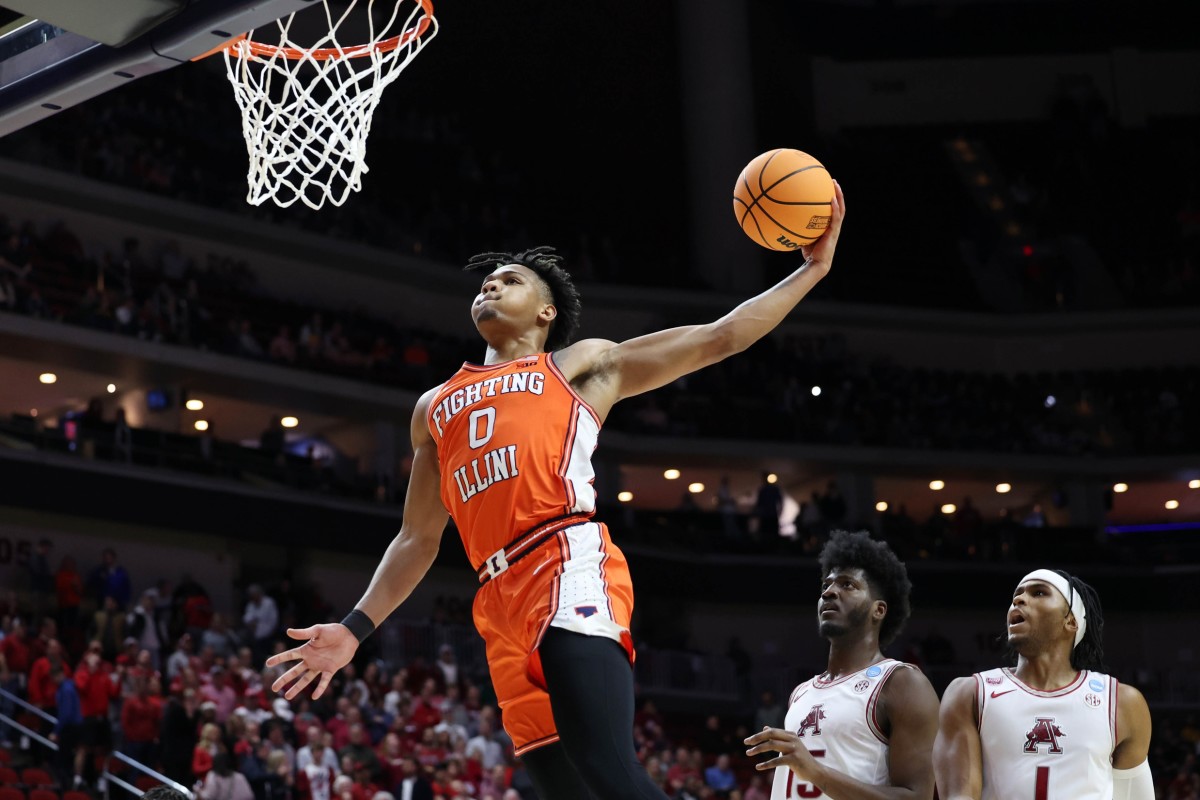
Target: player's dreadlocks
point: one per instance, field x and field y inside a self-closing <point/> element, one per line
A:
<point x="886" y="575"/>
<point x="547" y="264"/>
<point x="1089" y="653"/>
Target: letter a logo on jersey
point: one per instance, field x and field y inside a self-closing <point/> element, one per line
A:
<point x="1044" y="732"/>
<point x="812" y="720"/>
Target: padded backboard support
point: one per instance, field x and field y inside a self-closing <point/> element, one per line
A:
<point x="48" y="66"/>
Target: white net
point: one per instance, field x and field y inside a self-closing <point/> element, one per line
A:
<point x="306" y="109"/>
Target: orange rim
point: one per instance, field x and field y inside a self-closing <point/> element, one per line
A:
<point x="325" y="53"/>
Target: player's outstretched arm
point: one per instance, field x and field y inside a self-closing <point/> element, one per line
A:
<point x="648" y="362"/>
<point x="1131" y="768"/>
<point x="328" y="648"/>
<point x="957" y="752"/>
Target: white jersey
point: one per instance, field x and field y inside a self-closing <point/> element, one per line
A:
<point x="1053" y="745"/>
<point x="837" y="722"/>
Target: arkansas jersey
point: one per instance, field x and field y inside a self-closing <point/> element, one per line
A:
<point x="1046" y="745"/>
<point x="515" y="446"/>
<point x="836" y="720"/>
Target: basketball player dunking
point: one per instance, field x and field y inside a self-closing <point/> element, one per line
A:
<point x="505" y="447"/>
<point x="1054" y="728"/>
<point x="864" y="728"/>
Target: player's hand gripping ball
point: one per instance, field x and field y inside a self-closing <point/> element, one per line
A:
<point x="783" y="198"/>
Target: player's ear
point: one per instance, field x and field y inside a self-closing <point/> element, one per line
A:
<point x="879" y="611"/>
<point x="548" y="313"/>
<point x="1071" y="624"/>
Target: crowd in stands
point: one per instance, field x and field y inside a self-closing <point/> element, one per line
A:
<point x="180" y="686"/>
<point x="178" y="135"/>
<point x="809" y="389"/>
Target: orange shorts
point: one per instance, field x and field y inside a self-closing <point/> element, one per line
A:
<point x="578" y="580"/>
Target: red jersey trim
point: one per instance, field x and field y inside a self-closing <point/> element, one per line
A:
<point x="567" y="384"/>
<point x="872" y="709"/>
<point x="1080" y="677"/>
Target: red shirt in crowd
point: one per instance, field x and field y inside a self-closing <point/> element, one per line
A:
<point x="16" y="653"/>
<point x="96" y="688"/>
<point x="141" y="718"/>
<point x="41" y="687"/>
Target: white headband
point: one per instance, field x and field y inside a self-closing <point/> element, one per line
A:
<point x="1068" y="593"/>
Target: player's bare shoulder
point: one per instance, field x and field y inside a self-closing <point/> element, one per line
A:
<point x="419" y="428"/>
<point x="909" y="695"/>
<point x="585" y="359"/>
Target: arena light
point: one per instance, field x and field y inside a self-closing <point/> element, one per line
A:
<point x="881" y="506"/>
<point x="949" y="508"/>
<point x="1050" y="401"/>
<point x="1171" y="505"/>
<point x="1120" y="488"/>
<point x="194" y="405"/>
<point x="696" y="488"/>
<point x="671" y="474"/>
<point x="1194" y="484"/>
<point x="112" y="387"/>
<point x="289" y="422"/>
<point x="937" y="486"/>
<point x="772" y="478"/>
<point x="1003" y="488"/>
<point x="48" y="377"/>
<point x="624" y="497"/>
<point x="816" y="391"/>
<point x="201" y="424"/>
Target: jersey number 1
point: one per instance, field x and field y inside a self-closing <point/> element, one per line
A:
<point x="804" y="789"/>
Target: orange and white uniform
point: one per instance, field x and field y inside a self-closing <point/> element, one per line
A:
<point x="514" y="446"/>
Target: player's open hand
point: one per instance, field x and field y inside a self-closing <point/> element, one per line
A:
<point x="820" y="253"/>
<point x="328" y="648"/>
<point x="792" y="753"/>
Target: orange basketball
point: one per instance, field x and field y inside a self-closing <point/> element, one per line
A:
<point x="783" y="199"/>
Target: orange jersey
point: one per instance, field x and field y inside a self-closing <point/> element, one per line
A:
<point x="514" y="445"/>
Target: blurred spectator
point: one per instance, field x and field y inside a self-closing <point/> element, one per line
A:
<point x="108" y="628"/>
<point x="222" y="783"/>
<point x="770" y="712"/>
<point x="768" y="506"/>
<point x="141" y="720"/>
<point x="272" y="439"/>
<point x="218" y="637"/>
<point x="68" y="728"/>
<point x="122" y="438"/>
<point x="484" y="746"/>
<point x="179" y="736"/>
<point x="413" y="785"/>
<point x="720" y="777"/>
<point x="68" y="589"/>
<point x="42" y="686"/>
<point x="282" y="348"/>
<point x="448" y="665"/>
<point x="208" y="747"/>
<point x="109" y="579"/>
<point x="261" y="618"/>
<point x="98" y="683"/>
<point x="144" y="625"/>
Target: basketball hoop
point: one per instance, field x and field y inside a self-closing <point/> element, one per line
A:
<point x="306" y="110"/>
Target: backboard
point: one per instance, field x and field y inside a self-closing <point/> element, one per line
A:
<point x="57" y="53"/>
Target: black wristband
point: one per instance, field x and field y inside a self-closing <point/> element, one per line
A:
<point x="359" y="624"/>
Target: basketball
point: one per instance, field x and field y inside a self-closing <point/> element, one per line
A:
<point x="783" y="198"/>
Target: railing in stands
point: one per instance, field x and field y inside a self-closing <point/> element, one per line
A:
<point x="107" y="776"/>
<point x="110" y="779"/>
